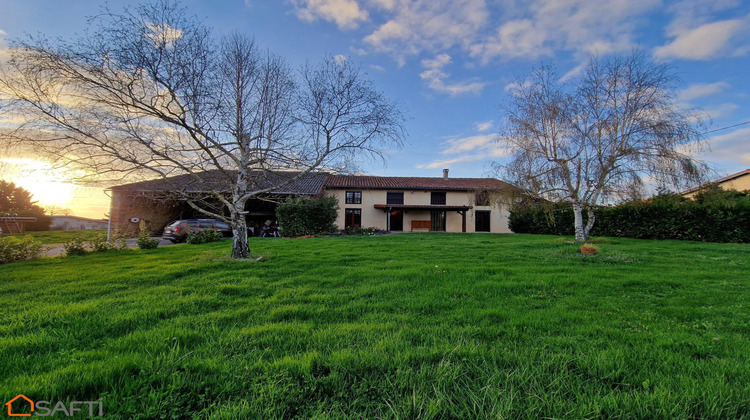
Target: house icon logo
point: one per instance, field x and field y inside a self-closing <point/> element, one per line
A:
<point x="10" y="406"/>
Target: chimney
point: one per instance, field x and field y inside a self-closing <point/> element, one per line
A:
<point x="445" y="173"/>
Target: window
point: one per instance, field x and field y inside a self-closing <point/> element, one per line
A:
<point x="437" y="198"/>
<point x="222" y="225"/>
<point x="482" y="221"/>
<point x="394" y="198"/>
<point x="483" y="198"/>
<point x="353" y="218"/>
<point x="354" y="197"/>
<point x="437" y="221"/>
<point x="206" y="224"/>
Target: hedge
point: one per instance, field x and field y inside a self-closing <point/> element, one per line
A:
<point x="307" y="216"/>
<point x="713" y="216"/>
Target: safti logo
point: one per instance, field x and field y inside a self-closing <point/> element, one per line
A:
<point x="42" y="408"/>
<point x="10" y="406"/>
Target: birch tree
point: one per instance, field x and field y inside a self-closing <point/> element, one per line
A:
<point x="584" y="140"/>
<point x="150" y="93"/>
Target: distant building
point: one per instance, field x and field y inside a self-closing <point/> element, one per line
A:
<point x="739" y="181"/>
<point x="76" y="223"/>
<point x="14" y="224"/>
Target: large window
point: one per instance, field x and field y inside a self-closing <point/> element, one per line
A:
<point x="354" y="197"/>
<point x="394" y="198"/>
<point x="482" y="221"/>
<point x="437" y="198"/>
<point x="353" y="218"/>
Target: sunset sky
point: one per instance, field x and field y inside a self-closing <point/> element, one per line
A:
<point x="449" y="64"/>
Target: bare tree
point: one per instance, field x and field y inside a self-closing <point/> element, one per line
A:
<point x="609" y="130"/>
<point x="148" y="93"/>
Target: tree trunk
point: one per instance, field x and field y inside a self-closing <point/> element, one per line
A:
<point x="581" y="232"/>
<point x="589" y="222"/>
<point x="240" y="248"/>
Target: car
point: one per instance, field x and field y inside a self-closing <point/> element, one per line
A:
<point x="178" y="230"/>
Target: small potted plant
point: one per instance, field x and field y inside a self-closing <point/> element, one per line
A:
<point x="589" y="249"/>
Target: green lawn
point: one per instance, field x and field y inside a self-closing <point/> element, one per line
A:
<point x="61" y="236"/>
<point x="458" y="326"/>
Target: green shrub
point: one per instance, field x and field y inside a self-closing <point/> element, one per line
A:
<point x="308" y="216"/>
<point x="75" y="246"/>
<point x="713" y="216"/>
<point x="369" y="231"/>
<point x="99" y="243"/>
<point x="203" y="236"/>
<point x="145" y="241"/>
<point x="14" y="248"/>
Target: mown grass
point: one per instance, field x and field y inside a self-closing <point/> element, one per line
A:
<point x="61" y="236"/>
<point x="402" y="326"/>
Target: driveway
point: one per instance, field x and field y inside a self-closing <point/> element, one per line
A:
<point x="54" y="250"/>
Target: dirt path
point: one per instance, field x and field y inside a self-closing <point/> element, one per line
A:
<point x="54" y="250"/>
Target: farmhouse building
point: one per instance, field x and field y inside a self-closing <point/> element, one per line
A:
<point x="739" y="181"/>
<point x="439" y="204"/>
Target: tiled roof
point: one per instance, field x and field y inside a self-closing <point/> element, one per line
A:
<point x="215" y="180"/>
<point x="414" y="183"/>
<point x="312" y="183"/>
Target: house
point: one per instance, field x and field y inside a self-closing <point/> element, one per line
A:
<point x="421" y="204"/>
<point x="739" y="181"/>
<point x="155" y="203"/>
<point x="76" y="223"/>
<point x="440" y="204"/>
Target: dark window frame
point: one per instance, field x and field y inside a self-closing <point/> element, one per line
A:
<point x="438" y="198"/>
<point x="353" y="197"/>
<point x="394" y="197"/>
<point x="352" y="218"/>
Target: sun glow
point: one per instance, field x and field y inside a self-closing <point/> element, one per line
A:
<point x="52" y="188"/>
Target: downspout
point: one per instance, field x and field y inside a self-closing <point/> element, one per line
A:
<point x="109" y="222"/>
<point x="388" y="219"/>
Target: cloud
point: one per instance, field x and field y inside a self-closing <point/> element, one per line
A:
<point x="467" y="144"/>
<point x="427" y="25"/>
<point x="700" y="90"/>
<point x="346" y="14"/>
<point x="483" y="126"/>
<point x="702" y="43"/>
<point x="545" y="26"/>
<point x="436" y="78"/>
<point x="163" y="34"/>
<point x="469" y="149"/>
<point x="339" y="59"/>
<point x="730" y="148"/>
<point x="720" y="111"/>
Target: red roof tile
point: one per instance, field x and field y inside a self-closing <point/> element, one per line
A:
<point x="414" y="183"/>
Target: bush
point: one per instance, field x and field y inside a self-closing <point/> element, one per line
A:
<point x="14" y="248"/>
<point x="145" y="241"/>
<point x="308" y="216"/>
<point x="203" y="236"/>
<point x="75" y="246"/>
<point x="713" y="216"/>
<point x="363" y="231"/>
<point x="99" y="243"/>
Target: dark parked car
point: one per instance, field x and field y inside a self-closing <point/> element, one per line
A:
<point x="178" y="230"/>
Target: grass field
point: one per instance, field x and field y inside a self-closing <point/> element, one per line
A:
<point x="61" y="236"/>
<point x="404" y="326"/>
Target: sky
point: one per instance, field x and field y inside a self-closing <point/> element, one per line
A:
<point x="449" y="65"/>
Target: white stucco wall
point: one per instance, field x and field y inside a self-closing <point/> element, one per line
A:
<point x="372" y="217"/>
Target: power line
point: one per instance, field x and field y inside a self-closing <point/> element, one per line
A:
<point x="726" y="128"/>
